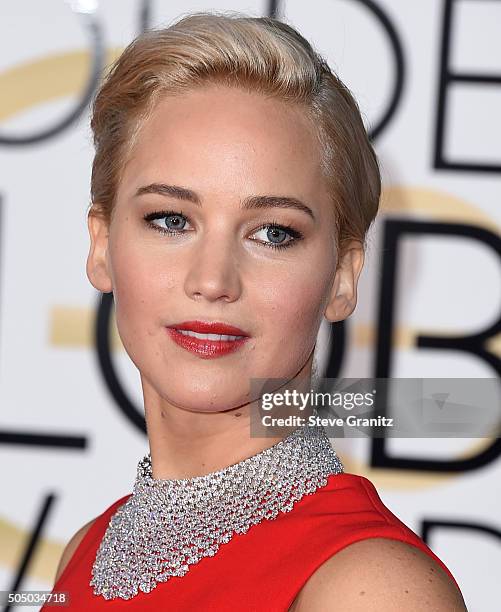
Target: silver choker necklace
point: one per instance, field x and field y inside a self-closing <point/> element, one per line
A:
<point x="167" y="525"/>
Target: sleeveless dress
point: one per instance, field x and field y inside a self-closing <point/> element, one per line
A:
<point x="262" y="570"/>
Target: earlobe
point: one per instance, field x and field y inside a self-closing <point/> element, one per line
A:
<point x="343" y="296"/>
<point x="97" y="267"/>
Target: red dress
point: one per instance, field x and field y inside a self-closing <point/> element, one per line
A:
<point x="261" y="570"/>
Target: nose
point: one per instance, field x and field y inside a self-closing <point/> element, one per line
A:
<point x="214" y="270"/>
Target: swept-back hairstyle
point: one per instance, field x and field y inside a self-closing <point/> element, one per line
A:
<point x="257" y="54"/>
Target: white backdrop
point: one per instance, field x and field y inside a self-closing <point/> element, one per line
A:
<point x="427" y="76"/>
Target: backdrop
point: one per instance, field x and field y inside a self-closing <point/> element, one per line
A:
<point x="427" y="76"/>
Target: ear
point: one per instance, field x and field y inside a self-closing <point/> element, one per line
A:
<point x="98" y="271"/>
<point x="343" y="297"/>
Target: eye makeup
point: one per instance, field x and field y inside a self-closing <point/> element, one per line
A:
<point x="272" y="226"/>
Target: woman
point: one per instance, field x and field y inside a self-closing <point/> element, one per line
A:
<point x="232" y="189"/>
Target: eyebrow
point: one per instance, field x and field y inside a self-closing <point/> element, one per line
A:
<point x="251" y="202"/>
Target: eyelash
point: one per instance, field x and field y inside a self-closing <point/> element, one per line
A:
<point x="295" y="234"/>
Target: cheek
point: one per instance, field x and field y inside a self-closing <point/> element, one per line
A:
<point x="141" y="287"/>
<point x="293" y="303"/>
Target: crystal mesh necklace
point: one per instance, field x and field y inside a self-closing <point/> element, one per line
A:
<point x="168" y="525"/>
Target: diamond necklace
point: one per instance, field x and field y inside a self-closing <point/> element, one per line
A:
<point x="167" y="525"/>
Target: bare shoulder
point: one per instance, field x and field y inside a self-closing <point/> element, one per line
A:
<point x="379" y="574"/>
<point x="71" y="547"/>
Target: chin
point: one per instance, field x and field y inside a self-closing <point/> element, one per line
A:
<point x="190" y="390"/>
<point x="205" y="403"/>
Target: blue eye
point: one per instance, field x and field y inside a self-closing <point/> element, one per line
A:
<point x="275" y="233"/>
<point x="174" y="221"/>
<point x="177" y="221"/>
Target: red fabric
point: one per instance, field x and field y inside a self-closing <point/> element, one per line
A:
<point x="263" y="569"/>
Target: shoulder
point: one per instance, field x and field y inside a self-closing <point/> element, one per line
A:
<point x="379" y="574"/>
<point x="71" y="548"/>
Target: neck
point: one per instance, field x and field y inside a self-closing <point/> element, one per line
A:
<point x="185" y="443"/>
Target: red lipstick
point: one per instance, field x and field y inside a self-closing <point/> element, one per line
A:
<point x="229" y="338"/>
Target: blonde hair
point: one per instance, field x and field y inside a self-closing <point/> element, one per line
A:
<point x="257" y="54"/>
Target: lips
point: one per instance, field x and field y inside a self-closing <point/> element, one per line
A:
<point x="207" y="339"/>
<point x="209" y="327"/>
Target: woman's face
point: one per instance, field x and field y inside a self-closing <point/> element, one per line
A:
<point x="220" y="147"/>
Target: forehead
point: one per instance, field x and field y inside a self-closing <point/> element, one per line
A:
<point x="220" y="138"/>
